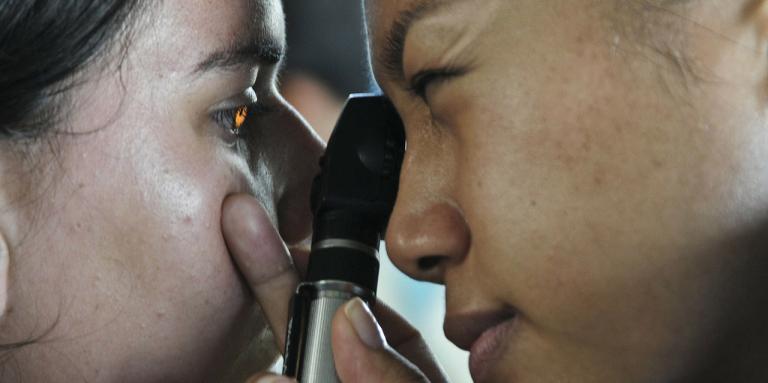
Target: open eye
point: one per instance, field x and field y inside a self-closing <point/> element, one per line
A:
<point x="232" y="120"/>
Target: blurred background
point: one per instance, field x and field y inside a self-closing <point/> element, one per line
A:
<point x="328" y="59"/>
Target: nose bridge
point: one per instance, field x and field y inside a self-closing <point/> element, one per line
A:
<point x="305" y="148"/>
<point x="297" y="154"/>
<point x="427" y="231"/>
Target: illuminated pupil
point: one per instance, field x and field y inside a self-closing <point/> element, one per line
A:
<point x="240" y="114"/>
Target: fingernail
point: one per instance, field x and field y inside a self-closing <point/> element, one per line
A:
<point x="364" y="324"/>
<point x="274" y="379"/>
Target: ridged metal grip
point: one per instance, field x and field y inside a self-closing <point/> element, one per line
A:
<point x="313" y="351"/>
<point x="319" y="367"/>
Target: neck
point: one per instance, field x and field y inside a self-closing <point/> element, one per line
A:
<point x="740" y="350"/>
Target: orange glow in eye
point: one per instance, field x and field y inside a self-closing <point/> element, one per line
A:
<point x="240" y="115"/>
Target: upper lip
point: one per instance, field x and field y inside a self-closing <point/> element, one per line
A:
<point x="464" y="329"/>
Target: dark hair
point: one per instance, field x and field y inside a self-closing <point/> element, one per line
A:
<point x="338" y="56"/>
<point x="44" y="44"/>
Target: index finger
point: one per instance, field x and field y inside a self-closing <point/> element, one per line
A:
<point x="262" y="257"/>
<point x="407" y="341"/>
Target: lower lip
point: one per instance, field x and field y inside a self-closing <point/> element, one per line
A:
<point x="487" y="349"/>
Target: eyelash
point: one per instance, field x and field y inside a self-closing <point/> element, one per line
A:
<point x="422" y="80"/>
<point x="232" y="120"/>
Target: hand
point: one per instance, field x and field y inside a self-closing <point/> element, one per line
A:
<point x="361" y="351"/>
<point x="365" y="353"/>
<point x="262" y="258"/>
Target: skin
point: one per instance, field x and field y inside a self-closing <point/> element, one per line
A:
<point x="601" y="174"/>
<point x="118" y="263"/>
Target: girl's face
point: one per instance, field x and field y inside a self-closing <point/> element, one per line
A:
<point x="588" y="179"/>
<point x="119" y="262"/>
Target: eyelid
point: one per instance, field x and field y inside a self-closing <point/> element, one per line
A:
<point x="231" y="120"/>
<point x="422" y="80"/>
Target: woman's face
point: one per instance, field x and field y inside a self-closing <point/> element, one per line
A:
<point x="120" y="254"/>
<point x="588" y="179"/>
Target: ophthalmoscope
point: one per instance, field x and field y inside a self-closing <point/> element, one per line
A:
<point x="351" y="201"/>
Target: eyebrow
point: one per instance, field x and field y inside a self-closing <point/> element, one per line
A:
<point x="391" y="58"/>
<point x="264" y="51"/>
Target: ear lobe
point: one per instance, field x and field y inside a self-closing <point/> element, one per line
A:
<point x="5" y="261"/>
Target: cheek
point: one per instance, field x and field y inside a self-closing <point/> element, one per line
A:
<point x="181" y="180"/>
<point x="594" y="212"/>
<point x="154" y="206"/>
<point x="133" y="226"/>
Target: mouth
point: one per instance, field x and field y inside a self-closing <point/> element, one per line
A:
<point x="483" y="334"/>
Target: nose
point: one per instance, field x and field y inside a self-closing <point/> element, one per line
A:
<point x="298" y="153"/>
<point x="427" y="232"/>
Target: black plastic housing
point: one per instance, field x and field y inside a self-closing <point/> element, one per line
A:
<point x="354" y="193"/>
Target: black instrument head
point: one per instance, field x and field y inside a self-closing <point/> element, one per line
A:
<point x="353" y="195"/>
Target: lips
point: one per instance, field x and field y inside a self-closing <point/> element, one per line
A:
<point x="481" y="333"/>
<point x="464" y="329"/>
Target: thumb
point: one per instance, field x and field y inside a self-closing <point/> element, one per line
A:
<point x="361" y="353"/>
<point x="262" y="258"/>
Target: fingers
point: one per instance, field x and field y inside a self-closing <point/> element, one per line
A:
<point x="407" y="341"/>
<point x="261" y="256"/>
<point x="360" y="352"/>
<point x="269" y="378"/>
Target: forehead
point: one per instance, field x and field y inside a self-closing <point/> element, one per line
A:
<point x="181" y="32"/>
<point x="381" y="14"/>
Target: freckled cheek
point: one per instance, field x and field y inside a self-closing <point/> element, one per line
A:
<point x="516" y="198"/>
<point x="189" y="258"/>
<point x="184" y="200"/>
<point x="533" y="244"/>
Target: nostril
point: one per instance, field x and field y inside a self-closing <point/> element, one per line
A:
<point x="426" y="239"/>
<point x="428" y="263"/>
